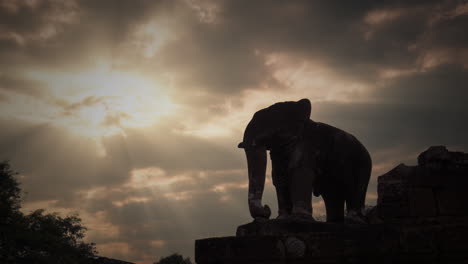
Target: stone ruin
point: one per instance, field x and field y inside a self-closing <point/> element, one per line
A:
<point x="434" y="189"/>
<point x="105" y="260"/>
<point x="421" y="216"/>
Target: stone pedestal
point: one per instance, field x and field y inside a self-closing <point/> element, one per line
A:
<point x="421" y="217"/>
<point x="295" y="241"/>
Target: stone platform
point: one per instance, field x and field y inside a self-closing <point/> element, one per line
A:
<point x="421" y="216"/>
<point x="289" y="241"/>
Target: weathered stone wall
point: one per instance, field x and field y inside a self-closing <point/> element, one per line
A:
<point x="428" y="206"/>
<point x="436" y="188"/>
<point x="296" y="241"/>
<point x="421" y="217"/>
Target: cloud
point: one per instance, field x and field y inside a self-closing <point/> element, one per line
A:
<point x="70" y="163"/>
<point x="88" y="101"/>
<point x="161" y="217"/>
<point x="20" y="85"/>
<point x="68" y="34"/>
<point x="56" y="160"/>
<point x="145" y="146"/>
<point x="117" y="205"/>
<point x="163" y="146"/>
<point x="114" y="119"/>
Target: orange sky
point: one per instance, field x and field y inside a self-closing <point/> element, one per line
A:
<point x="129" y="112"/>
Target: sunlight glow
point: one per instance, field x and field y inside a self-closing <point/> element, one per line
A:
<point x="179" y="196"/>
<point x="130" y="200"/>
<point x="150" y="37"/>
<point x="158" y="243"/>
<point x="102" y="101"/>
<point x="223" y="188"/>
<point x="154" y="177"/>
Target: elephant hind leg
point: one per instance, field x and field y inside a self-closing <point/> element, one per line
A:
<point x="356" y="196"/>
<point x="334" y="205"/>
<point x="284" y="201"/>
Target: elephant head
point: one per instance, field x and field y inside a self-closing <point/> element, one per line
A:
<point x="281" y="121"/>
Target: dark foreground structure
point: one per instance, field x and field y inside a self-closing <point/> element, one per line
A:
<point x="104" y="260"/>
<point x="421" y="216"/>
<point x="307" y="157"/>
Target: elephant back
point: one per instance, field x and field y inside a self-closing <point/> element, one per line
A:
<point x="326" y="151"/>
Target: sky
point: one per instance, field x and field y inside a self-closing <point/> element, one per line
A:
<point x="129" y="112"/>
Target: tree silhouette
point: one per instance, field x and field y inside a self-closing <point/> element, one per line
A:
<point x="37" y="237"/>
<point x="9" y="194"/>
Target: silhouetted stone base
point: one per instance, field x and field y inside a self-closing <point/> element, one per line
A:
<point x="421" y="217"/>
<point x="104" y="260"/>
<point x="281" y="241"/>
<point x="287" y="241"/>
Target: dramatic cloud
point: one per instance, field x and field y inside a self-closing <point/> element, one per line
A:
<point x="129" y="112"/>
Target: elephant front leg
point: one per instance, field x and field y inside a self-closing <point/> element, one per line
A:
<point x="302" y="180"/>
<point x="284" y="202"/>
<point x="281" y="183"/>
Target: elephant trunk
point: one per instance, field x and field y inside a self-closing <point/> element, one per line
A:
<point x="256" y="163"/>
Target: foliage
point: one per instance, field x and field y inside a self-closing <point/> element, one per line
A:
<point x="9" y="194"/>
<point x="174" y="259"/>
<point x="37" y="237"/>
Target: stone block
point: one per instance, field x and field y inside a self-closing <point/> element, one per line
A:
<point x="403" y="201"/>
<point x="392" y="199"/>
<point x="393" y="210"/>
<point x="320" y="246"/>
<point x="426" y="177"/>
<point x="421" y="258"/>
<point x="453" y="238"/>
<point x="301" y="239"/>
<point x="422" y="202"/>
<point x="300" y="242"/>
<point x="455" y="179"/>
<point x="437" y="167"/>
<point x="255" y="249"/>
<point x="418" y="240"/>
<point x="453" y="258"/>
<point x="306" y="248"/>
<point x="434" y="156"/>
<point x="440" y="158"/>
<point x="399" y="174"/>
<point x="392" y="193"/>
<point x="370" y="243"/>
<point x="278" y="227"/>
<point x="452" y="201"/>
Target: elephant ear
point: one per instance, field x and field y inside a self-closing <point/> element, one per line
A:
<point x="304" y="109"/>
<point x="259" y="129"/>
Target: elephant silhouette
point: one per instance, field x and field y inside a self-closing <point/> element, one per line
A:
<point x="307" y="158"/>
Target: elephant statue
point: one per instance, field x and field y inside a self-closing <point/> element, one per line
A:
<point x="307" y="158"/>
